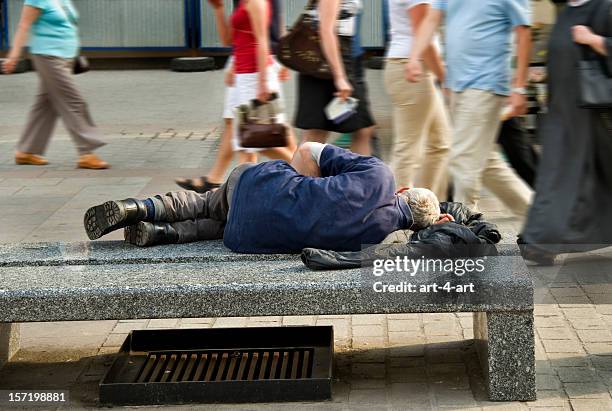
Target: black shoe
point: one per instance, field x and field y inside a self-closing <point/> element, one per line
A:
<point x="537" y="255"/>
<point x="200" y="185"/>
<point x="145" y="234"/>
<point x="113" y="215"/>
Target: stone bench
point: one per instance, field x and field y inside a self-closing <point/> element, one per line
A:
<point x="109" y="280"/>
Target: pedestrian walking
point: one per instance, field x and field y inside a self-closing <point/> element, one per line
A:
<point x="478" y="51"/>
<point x="339" y="33"/>
<point x="215" y="176"/>
<point x="51" y="26"/>
<point x="575" y="173"/>
<point x="421" y="130"/>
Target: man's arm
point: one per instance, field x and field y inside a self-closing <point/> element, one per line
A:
<point x="431" y="56"/>
<point x="584" y="35"/>
<point x="518" y="98"/>
<point x="337" y="161"/>
<point x="423" y="39"/>
<point x="519" y="16"/>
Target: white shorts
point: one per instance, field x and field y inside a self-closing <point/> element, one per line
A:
<point x="246" y="91"/>
<point x="230" y="95"/>
<point x="231" y="101"/>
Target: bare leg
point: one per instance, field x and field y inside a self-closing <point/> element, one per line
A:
<point x="225" y="155"/>
<point x="361" y="141"/>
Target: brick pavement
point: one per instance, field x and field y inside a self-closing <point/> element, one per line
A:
<point x="390" y="362"/>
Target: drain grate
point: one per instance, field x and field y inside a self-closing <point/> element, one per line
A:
<point x="221" y="365"/>
<point x="226" y="365"/>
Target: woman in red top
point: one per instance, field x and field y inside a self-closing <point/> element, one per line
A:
<point x="255" y="74"/>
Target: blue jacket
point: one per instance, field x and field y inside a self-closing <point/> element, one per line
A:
<point x="276" y="210"/>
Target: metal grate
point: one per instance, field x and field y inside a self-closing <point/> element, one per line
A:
<point x="221" y="365"/>
<point x="226" y="365"/>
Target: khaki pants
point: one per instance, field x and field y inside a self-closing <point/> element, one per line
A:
<point x="199" y="217"/>
<point x="421" y="131"/>
<point x="57" y="97"/>
<point x="475" y="158"/>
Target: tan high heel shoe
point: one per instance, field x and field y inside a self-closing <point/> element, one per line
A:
<point x="92" y="162"/>
<point x="29" y="159"/>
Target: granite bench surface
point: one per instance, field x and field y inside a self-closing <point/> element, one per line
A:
<point x="117" y="252"/>
<point x="111" y="280"/>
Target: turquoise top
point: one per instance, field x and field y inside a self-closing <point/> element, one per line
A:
<point x="478" y="42"/>
<point x="55" y="33"/>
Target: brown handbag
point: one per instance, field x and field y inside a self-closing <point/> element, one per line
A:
<point x="300" y="49"/>
<point x="253" y="132"/>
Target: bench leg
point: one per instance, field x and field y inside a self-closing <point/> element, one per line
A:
<point x="9" y="341"/>
<point x="506" y="347"/>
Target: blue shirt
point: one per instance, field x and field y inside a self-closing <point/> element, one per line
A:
<point x="276" y="210"/>
<point x="55" y="32"/>
<point x="478" y="42"/>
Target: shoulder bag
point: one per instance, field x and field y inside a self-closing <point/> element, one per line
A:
<point x="300" y="49"/>
<point x="594" y="75"/>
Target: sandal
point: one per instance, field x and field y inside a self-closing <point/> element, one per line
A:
<point x="200" y="185"/>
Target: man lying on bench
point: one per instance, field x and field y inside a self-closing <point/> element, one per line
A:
<point x="327" y="198"/>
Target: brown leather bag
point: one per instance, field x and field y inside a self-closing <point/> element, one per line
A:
<point x="300" y="49"/>
<point x="255" y="132"/>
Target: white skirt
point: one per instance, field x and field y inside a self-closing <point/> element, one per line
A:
<point x="246" y="91"/>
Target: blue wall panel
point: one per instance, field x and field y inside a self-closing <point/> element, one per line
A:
<point x="124" y="24"/>
<point x="372" y="24"/>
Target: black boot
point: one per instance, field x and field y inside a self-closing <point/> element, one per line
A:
<point x="145" y="234"/>
<point x="113" y="215"/>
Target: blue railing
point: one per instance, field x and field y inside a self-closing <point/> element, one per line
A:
<point x="136" y="25"/>
<point x="3" y="25"/>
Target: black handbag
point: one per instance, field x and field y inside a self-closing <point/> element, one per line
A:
<point x="81" y="65"/>
<point x="594" y="76"/>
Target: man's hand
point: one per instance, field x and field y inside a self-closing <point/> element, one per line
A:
<point x="343" y="88"/>
<point x="414" y="70"/>
<point x="445" y="218"/>
<point x="216" y="4"/>
<point x="583" y="35"/>
<point x="518" y="105"/>
<point x="8" y="67"/>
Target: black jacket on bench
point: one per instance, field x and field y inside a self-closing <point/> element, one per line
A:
<point x="469" y="236"/>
